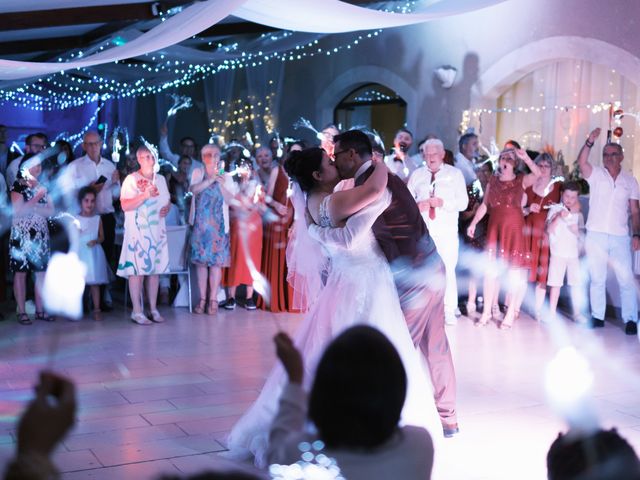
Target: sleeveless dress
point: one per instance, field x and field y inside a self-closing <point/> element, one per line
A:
<point x="505" y="232"/>
<point x="535" y="235"/>
<point x="359" y="290"/>
<point x="209" y="242"/>
<point x="93" y="257"/>
<point x="274" y="250"/>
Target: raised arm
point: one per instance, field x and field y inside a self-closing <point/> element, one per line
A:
<point x="163" y="146"/>
<point x="583" y="157"/>
<point x="199" y="181"/>
<point x="480" y="213"/>
<point x="529" y="178"/>
<point x="347" y="202"/>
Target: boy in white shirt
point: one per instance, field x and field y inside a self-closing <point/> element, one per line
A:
<point x="565" y="224"/>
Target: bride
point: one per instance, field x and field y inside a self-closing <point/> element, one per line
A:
<point x="359" y="290"/>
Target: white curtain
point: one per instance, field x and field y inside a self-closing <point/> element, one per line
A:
<point x="326" y="16"/>
<point x="262" y="82"/>
<point x="218" y="90"/>
<point x="568" y="83"/>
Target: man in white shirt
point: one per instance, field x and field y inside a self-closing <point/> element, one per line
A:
<point x="465" y="159"/>
<point x="440" y="192"/>
<point x="187" y="147"/>
<point x="100" y="174"/>
<point x="614" y="197"/>
<point x="34" y="143"/>
<point x="399" y="162"/>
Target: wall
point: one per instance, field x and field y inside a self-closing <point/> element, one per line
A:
<point x="405" y="58"/>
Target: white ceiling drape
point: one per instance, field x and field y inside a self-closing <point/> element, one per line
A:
<point x="328" y="16"/>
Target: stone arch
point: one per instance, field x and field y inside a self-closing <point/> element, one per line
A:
<point x="358" y="76"/>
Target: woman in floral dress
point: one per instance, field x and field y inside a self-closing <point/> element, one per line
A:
<point x="145" y="253"/>
<point x="210" y="236"/>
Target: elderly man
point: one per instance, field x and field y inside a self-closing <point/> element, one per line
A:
<point x="440" y="192"/>
<point x="614" y="196"/>
<point x="399" y="162"/>
<point x="100" y="174"/>
<point x="465" y="158"/>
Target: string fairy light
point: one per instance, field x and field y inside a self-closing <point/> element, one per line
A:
<point x="65" y="90"/>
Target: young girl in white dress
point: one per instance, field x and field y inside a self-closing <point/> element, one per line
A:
<point x="90" y="249"/>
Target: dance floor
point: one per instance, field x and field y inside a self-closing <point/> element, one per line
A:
<point x="161" y="398"/>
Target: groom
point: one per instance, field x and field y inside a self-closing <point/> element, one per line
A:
<point x="417" y="268"/>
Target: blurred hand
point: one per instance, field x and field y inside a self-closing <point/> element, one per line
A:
<point x="635" y="244"/>
<point x="564" y="213"/>
<point x="471" y="231"/>
<point x="436" y="202"/>
<point x="92" y="243"/>
<point x="115" y="177"/>
<point x="153" y="191"/>
<point x="39" y="193"/>
<point x="595" y="133"/>
<point x="280" y="209"/>
<point x="164" y="210"/>
<point x="534" y="207"/>
<point x="97" y="187"/>
<point x="290" y="357"/>
<point x="49" y="416"/>
<point x="521" y="154"/>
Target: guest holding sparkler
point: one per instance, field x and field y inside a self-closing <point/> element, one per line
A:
<point x="544" y="192"/>
<point x="145" y="201"/>
<point x="29" y="240"/>
<point x="505" y="234"/>
<point x="276" y="227"/>
<point x="245" y="235"/>
<point x="210" y="236"/>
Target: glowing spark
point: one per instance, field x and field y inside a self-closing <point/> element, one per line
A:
<point x="304" y="123"/>
<point x="16" y="148"/>
<point x="179" y="103"/>
<point x="549" y="187"/>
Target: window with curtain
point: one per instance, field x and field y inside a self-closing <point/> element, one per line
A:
<point x="560" y="103"/>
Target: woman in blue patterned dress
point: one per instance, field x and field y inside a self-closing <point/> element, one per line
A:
<point x="210" y="236"/>
<point x="145" y="253"/>
<point x="29" y="240"/>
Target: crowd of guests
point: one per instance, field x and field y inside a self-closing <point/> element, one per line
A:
<point x="508" y="217"/>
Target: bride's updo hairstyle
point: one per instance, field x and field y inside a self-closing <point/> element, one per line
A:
<point x="301" y="164"/>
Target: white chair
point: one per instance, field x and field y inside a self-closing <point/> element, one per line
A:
<point x="178" y="243"/>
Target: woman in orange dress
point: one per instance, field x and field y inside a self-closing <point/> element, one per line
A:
<point x="276" y="224"/>
<point x="245" y="226"/>
<point x="540" y="195"/>
<point x="505" y="233"/>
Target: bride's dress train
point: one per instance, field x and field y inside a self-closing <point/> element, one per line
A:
<point x="359" y="290"/>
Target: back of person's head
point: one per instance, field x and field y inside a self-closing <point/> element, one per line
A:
<point x="300" y="165"/>
<point x="603" y="455"/>
<point x="356" y="140"/>
<point x="358" y="391"/>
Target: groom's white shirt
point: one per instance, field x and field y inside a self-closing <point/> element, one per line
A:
<point x="357" y="225"/>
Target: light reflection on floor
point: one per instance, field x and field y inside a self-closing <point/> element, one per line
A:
<point x="161" y="398"/>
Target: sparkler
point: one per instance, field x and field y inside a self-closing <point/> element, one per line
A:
<point x="16" y="148"/>
<point x="549" y="187"/>
<point x="304" y="123"/>
<point x="180" y="102"/>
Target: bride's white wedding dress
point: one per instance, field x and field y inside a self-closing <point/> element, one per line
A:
<point x="359" y="290"/>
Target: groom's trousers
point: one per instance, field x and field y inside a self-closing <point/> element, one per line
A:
<point x="422" y="300"/>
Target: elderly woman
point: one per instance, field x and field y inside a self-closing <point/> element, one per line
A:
<point x="505" y="232"/>
<point x="145" y="201"/>
<point x="29" y="240"/>
<point x="210" y="238"/>
<point x="540" y="195"/>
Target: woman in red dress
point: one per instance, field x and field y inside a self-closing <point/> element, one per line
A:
<point x="505" y="233"/>
<point x="277" y="222"/>
<point x="245" y="221"/>
<point x="540" y="195"/>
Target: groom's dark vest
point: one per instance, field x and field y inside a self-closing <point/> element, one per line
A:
<point x="400" y="230"/>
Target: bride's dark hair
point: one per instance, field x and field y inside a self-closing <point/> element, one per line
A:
<point x="301" y="164"/>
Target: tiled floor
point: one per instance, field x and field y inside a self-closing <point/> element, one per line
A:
<point x="162" y="398"/>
